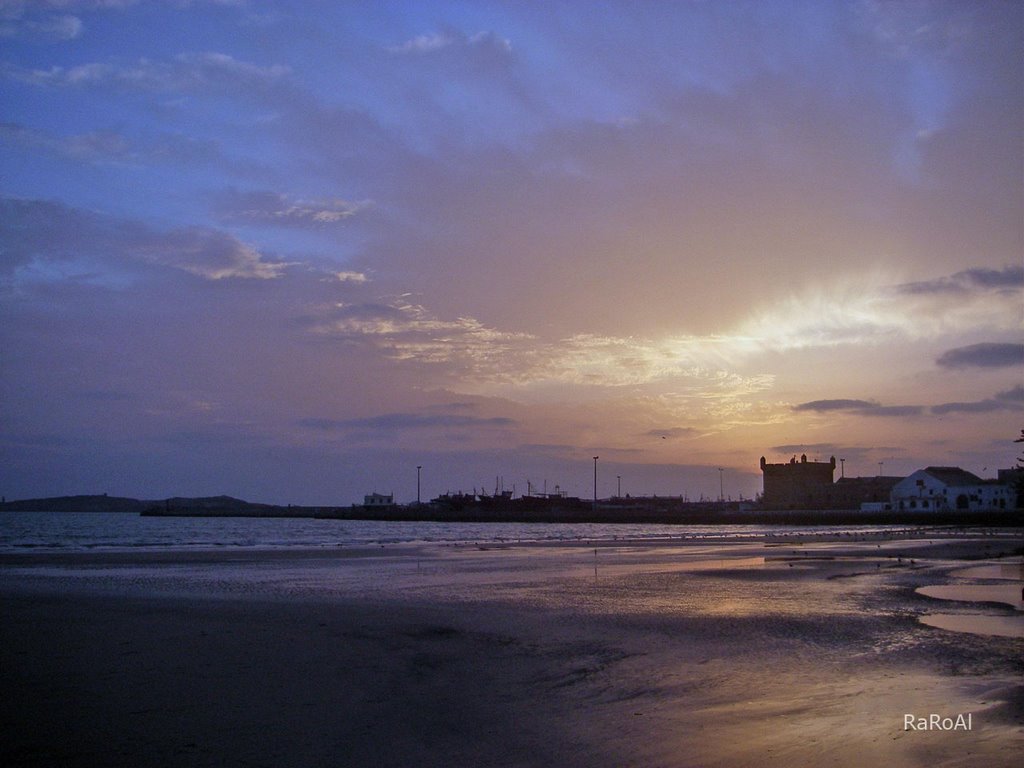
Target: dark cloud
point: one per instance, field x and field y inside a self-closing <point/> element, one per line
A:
<point x="892" y="410"/>
<point x="1008" y="400"/>
<point x="985" y="355"/>
<point x="834" y="405"/>
<point x="970" y="280"/>
<point x="860" y="407"/>
<point x="45" y="233"/>
<point x="977" y="406"/>
<point x="1014" y="394"/>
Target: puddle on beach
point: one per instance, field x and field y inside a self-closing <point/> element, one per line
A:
<point x="1000" y="626"/>
<point x="1010" y="594"/>
<point x="1013" y="571"/>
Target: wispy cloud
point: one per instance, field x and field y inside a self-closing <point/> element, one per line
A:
<point x="46" y="26"/>
<point x="398" y="422"/>
<point x="276" y="209"/>
<point x="673" y="433"/>
<point x="186" y="72"/>
<point x="350" y="276"/>
<point x="451" y="38"/>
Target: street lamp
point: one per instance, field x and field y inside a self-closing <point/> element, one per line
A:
<point x="595" y="480"/>
<point x="618" y="493"/>
<point x="721" y="485"/>
<point x="880" y="468"/>
<point x="842" y="468"/>
<point x="418" y="468"/>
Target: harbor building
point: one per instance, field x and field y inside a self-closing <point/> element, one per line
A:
<point x="951" y="488"/>
<point x="379" y="500"/>
<point x="799" y="484"/>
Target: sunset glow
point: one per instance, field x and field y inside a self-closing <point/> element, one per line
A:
<point x="290" y="252"/>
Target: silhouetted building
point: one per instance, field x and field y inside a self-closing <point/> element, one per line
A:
<point x="798" y="484"/>
<point x="855" y="492"/>
<point x="378" y="500"/>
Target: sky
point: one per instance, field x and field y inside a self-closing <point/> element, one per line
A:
<point x="292" y="251"/>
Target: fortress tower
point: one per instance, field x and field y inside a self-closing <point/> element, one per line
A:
<point x="798" y="484"/>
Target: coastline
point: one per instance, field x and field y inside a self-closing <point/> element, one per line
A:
<point x="621" y="653"/>
<point x="638" y="510"/>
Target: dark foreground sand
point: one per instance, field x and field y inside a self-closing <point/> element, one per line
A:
<point x="701" y="654"/>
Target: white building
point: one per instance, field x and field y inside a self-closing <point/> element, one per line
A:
<point x="950" y="488"/>
<point x="378" y="500"/>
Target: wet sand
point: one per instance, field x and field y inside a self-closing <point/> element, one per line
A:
<point x="802" y="652"/>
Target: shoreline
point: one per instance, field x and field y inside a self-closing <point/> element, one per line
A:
<point x="710" y="653"/>
<point x="616" y="511"/>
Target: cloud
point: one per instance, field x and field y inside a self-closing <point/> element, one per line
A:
<point x="1002" y="401"/>
<point x="397" y="422"/>
<point x="46" y="26"/>
<point x="820" y="448"/>
<point x="478" y="355"/>
<point x="185" y="73"/>
<point x="978" y="406"/>
<point x="834" y="405"/>
<point x="350" y="276"/>
<point x="112" y="147"/>
<point x="36" y="235"/>
<point x="1014" y="394"/>
<point x="209" y="254"/>
<point x="262" y="207"/>
<point x="860" y="408"/>
<point x="1008" y="400"/>
<point x="673" y="433"/>
<point x="977" y="279"/>
<point x="451" y="38"/>
<point x="984" y="355"/>
<point x="892" y="410"/>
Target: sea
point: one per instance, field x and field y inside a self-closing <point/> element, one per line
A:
<point x="112" y="531"/>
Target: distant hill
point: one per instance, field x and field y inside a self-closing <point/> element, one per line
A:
<point x="96" y="503"/>
<point x="178" y="506"/>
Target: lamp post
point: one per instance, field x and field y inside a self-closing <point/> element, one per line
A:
<point x="880" y="468"/>
<point x="418" y="468"/>
<point x="842" y="468"/>
<point x="721" y="484"/>
<point x="595" y="481"/>
<point x="618" y="493"/>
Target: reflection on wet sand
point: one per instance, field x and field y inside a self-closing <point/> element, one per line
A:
<point x="1008" y="594"/>
<point x="1009" y="591"/>
<point x="976" y="624"/>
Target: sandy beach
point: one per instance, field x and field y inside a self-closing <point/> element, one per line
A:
<point x="791" y="651"/>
